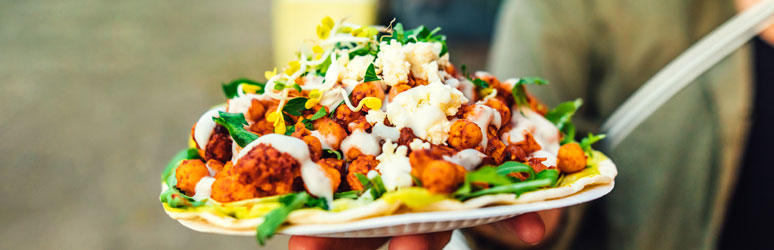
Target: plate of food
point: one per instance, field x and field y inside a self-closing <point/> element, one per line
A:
<point x="373" y="132"/>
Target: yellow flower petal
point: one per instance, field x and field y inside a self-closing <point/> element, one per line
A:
<point x="311" y="103"/>
<point x="315" y="93"/>
<point x="317" y="49"/>
<point x="346" y="29"/>
<point x="270" y="74"/>
<point x="323" y="32"/>
<point x="273" y="116"/>
<point x="328" y="22"/>
<point x="249" y="88"/>
<point x="372" y="102"/>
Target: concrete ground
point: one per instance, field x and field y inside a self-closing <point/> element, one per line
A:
<point x="96" y="96"/>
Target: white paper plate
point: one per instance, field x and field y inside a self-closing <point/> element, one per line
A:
<point x="427" y="222"/>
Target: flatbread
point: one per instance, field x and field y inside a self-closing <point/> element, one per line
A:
<point x="207" y="221"/>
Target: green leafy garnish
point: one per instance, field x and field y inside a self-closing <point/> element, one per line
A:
<point x="370" y="74"/>
<point x="500" y="182"/>
<point x="235" y="124"/>
<point x="277" y="217"/>
<point x="330" y="153"/>
<point x="480" y="83"/>
<point x="172" y="196"/>
<point x="516" y="167"/>
<point x="295" y="106"/>
<point x="585" y="143"/>
<point x="519" y="92"/>
<point x="289" y="129"/>
<point x="352" y="194"/>
<point x="419" y="34"/>
<point x="319" y="114"/>
<point x="486" y="174"/>
<point x="323" y="67"/>
<point x="230" y="89"/>
<point x="362" y="52"/>
<point x="417" y="181"/>
<point x="561" y="116"/>
<point x="514" y="188"/>
<point x="297" y="87"/>
<point x="374" y="184"/>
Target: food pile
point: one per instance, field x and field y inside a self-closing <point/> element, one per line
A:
<point x="375" y="120"/>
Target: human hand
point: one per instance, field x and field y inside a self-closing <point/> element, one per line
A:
<point x="768" y="33"/>
<point x="529" y="228"/>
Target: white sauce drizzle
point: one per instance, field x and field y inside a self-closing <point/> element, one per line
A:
<point x="205" y="126"/>
<point x="545" y="133"/>
<point x="550" y="158"/>
<point x="467" y="158"/>
<point x="325" y="141"/>
<point x="365" y="142"/>
<point x="203" y="188"/>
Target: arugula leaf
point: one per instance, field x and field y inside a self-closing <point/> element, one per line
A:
<point x="319" y="114"/>
<point x="235" y="124"/>
<point x="464" y="69"/>
<point x="230" y="89"/>
<point x="295" y="106"/>
<point x="515" y="167"/>
<point x="417" y="181"/>
<point x="376" y="185"/>
<point x="308" y="124"/>
<point x="520" y="93"/>
<point x="317" y="202"/>
<point x="277" y="217"/>
<point x="480" y="83"/>
<point x="331" y="152"/>
<point x="585" y="143"/>
<point x="352" y="194"/>
<point x="289" y="129"/>
<point x="370" y="74"/>
<point x="418" y="34"/>
<point x="323" y="67"/>
<point x="517" y="188"/>
<point x="362" y="52"/>
<point x="486" y="174"/>
<point x="561" y="116"/>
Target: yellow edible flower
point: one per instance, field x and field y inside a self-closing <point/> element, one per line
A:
<point x="318" y="52"/>
<point x="346" y="29"/>
<point x="279" y="122"/>
<point x="270" y="74"/>
<point x="314" y="98"/>
<point x="324" y="29"/>
<point x="249" y="88"/>
<point x="294" y="66"/>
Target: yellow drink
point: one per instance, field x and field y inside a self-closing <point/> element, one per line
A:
<point x="293" y="21"/>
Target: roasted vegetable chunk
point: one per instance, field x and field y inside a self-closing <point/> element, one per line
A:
<point x="571" y="158"/>
<point x="442" y="177"/>
<point x="219" y="145"/>
<point x="188" y="174"/>
<point x="264" y="169"/>
<point x="464" y="134"/>
<point x="361" y="165"/>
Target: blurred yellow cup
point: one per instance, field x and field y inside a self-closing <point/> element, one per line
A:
<point x="293" y="21"/>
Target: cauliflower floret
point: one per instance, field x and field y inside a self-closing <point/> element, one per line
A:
<point x="420" y="55"/>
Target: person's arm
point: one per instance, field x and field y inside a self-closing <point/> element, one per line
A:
<point x="767" y="34"/>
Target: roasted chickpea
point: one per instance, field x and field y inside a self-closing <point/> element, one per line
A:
<point x="501" y="107"/>
<point x="332" y="131"/>
<point x="571" y="158"/>
<point x="464" y="134"/>
<point x="256" y="111"/>
<point x="314" y="145"/>
<point x="262" y="127"/>
<point x="361" y="165"/>
<point x="442" y="177"/>
<point x="188" y="175"/>
<point x="366" y="89"/>
<point x="343" y="115"/>
<point x="332" y="174"/>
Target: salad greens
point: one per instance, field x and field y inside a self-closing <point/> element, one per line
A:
<point x="235" y="124"/>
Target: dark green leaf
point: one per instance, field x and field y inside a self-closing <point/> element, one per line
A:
<point x="362" y="52"/>
<point x="370" y="74"/>
<point x="295" y="106"/>
<point x="230" y="89"/>
<point x="330" y="153"/>
<point x="319" y="114"/>
<point x="308" y="124"/>
<point x="377" y="187"/>
<point x="585" y="143"/>
<point x="319" y="202"/>
<point x="352" y="194"/>
<point x="561" y="116"/>
<point x="277" y="217"/>
<point x="480" y="83"/>
<point x="235" y="124"/>
<point x="514" y="188"/>
<point x="289" y="129"/>
<point x="519" y="92"/>
<point x="515" y="167"/>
